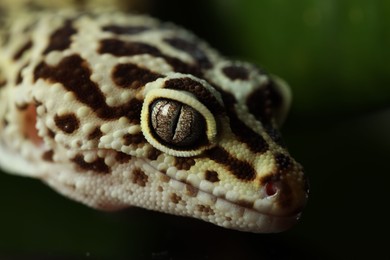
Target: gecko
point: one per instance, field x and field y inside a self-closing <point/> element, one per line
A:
<point x="115" y="110"/>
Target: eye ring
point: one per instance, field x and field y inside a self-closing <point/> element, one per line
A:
<point x="195" y="109"/>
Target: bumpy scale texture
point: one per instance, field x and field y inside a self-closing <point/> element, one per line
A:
<point x="117" y="110"/>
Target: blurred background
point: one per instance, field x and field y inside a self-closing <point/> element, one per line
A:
<point x="335" y="55"/>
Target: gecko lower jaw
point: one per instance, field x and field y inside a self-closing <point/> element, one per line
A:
<point x="253" y="220"/>
<point x="241" y="217"/>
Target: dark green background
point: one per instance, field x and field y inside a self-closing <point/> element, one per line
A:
<point x="335" y="55"/>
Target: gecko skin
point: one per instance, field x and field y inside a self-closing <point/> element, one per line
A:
<point x="116" y="110"/>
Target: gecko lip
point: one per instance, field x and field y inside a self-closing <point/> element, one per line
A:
<point x="265" y="221"/>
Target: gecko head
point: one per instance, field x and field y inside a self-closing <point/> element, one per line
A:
<point x="209" y="150"/>
<point x="159" y="122"/>
<point x="237" y="160"/>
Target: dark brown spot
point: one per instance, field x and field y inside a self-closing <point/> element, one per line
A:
<point x="211" y="176"/>
<point x="245" y="134"/>
<point x="3" y="83"/>
<point x="244" y="203"/>
<point x="205" y="209"/>
<point x="236" y="72"/>
<point x="153" y="154"/>
<point x="22" y="50"/>
<point x="19" y="77"/>
<point x="139" y="177"/>
<point x="97" y="166"/>
<point x="129" y="139"/>
<point x="132" y="110"/>
<point x="182" y="67"/>
<point x="74" y="74"/>
<point x="5" y="122"/>
<point x="39" y="103"/>
<point x="122" y="157"/>
<point x="160" y="189"/>
<point x="51" y="133"/>
<point x="242" y="170"/>
<point x="196" y="88"/>
<point x="283" y="162"/>
<point x="125" y="30"/>
<point x="191" y="190"/>
<point x="131" y="76"/>
<point x="184" y="163"/>
<point x="95" y="134"/>
<point x="48" y="156"/>
<point x="68" y="123"/>
<point x="193" y="49"/>
<point x="175" y="198"/>
<point x="22" y="106"/>
<point x="263" y="102"/>
<point x="61" y="38"/>
<point x="121" y="48"/>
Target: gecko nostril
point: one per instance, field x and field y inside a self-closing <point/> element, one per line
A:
<point x="271" y="188"/>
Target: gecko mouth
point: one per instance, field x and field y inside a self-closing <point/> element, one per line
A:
<point x="236" y="214"/>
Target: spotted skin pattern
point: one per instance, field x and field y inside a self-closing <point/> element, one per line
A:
<point x="76" y="95"/>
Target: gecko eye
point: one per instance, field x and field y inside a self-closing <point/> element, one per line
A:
<point x="176" y="123"/>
